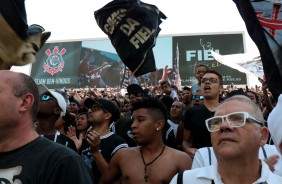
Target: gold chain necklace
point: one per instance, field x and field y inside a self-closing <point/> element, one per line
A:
<point x="146" y="177"/>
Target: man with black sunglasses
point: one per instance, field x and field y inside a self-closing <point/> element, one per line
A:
<point x="26" y="157"/>
<point x="237" y="133"/>
<point x="195" y="133"/>
<point x="52" y="106"/>
<point x="198" y="98"/>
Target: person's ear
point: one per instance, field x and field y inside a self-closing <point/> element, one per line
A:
<point x="159" y="125"/>
<point x="27" y="102"/>
<point x="264" y="136"/>
<point x="57" y="110"/>
<point x="108" y="115"/>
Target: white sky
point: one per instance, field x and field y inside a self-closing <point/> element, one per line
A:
<point x="74" y="19"/>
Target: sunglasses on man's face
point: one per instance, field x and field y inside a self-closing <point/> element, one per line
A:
<point x="47" y="97"/>
<point x="95" y="108"/>
<point x="200" y="97"/>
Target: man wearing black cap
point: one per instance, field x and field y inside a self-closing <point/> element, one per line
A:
<point x="100" y="143"/>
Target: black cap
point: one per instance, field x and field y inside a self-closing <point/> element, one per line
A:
<point x="35" y="29"/>
<point x="134" y="89"/>
<point x="106" y="104"/>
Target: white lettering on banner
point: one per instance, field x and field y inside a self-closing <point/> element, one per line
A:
<point x="113" y="20"/>
<point x="40" y="81"/>
<point x="141" y="36"/>
<point x="200" y="55"/>
<point x="53" y="81"/>
<point x="231" y="79"/>
<point x="129" y="27"/>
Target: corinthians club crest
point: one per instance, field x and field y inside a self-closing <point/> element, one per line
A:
<point x="55" y="62"/>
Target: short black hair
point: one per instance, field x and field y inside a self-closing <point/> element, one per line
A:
<point x="239" y="91"/>
<point x="202" y="65"/>
<point x="256" y="95"/>
<point x="156" y="108"/>
<point x="72" y="100"/>
<point x="167" y="100"/>
<point x="164" y="83"/>
<point x="186" y="88"/>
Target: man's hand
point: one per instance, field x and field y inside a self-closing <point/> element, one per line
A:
<point x="93" y="139"/>
<point x="271" y="161"/>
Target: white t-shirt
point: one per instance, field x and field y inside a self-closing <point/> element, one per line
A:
<point x="205" y="175"/>
<point x="174" y="95"/>
<point x="201" y="158"/>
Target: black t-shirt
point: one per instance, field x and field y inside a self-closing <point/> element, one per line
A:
<point x="123" y="129"/>
<point x="43" y="162"/>
<point x="109" y="145"/>
<point x="194" y="120"/>
<point x="62" y="139"/>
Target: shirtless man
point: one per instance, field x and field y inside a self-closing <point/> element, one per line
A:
<point x="152" y="161"/>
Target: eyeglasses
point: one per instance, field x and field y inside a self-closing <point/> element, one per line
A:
<point x="211" y="80"/>
<point x="201" y="97"/>
<point x="235" y="119"/>
<point x="97" y="108"/>
<point x="47" y="97"/>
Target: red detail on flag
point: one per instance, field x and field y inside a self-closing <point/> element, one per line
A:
<point x="48" y="52"/>
<point x="272" y="23"/>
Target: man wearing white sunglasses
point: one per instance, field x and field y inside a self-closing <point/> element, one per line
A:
<point x="237" y="132"/>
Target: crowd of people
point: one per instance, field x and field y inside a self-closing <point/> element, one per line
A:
<point x="160" y="134"/>
<point x="203" y="134"/>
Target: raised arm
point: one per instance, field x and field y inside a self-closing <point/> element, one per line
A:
<point x="113" y="171"/>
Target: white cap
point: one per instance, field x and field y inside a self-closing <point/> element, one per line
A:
<point x="274" y="121"/>
<point x="60" y="99"/>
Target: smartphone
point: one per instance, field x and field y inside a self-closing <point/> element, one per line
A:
<point x="88" y="130"/>
<point x="261" y="80"/>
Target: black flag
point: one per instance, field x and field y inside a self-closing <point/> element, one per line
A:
<point x="132" y="27"/>
<point x="14" y="13"/>
<point x="263" y="21"/>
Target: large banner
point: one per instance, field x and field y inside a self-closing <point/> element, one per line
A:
<point x="57" y="65"/>
<point x="195" y="50"/>
<point x="94" y="63"/>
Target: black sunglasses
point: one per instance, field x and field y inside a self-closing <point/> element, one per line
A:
<point x="201" y="97"/>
